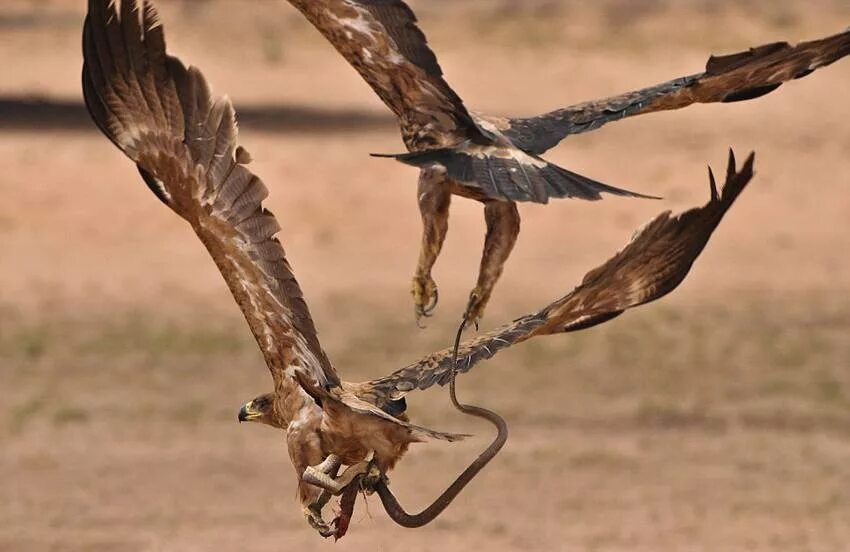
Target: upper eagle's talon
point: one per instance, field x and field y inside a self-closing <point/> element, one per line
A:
<point x="474" y="309"/>
<point x="467" y="322"/>
<point x="434" y="298"/>
<point x="425" y="298"/>
<point x="423" y="312"/>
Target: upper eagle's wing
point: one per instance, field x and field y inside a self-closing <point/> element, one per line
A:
<point x="654" y="263"/>
<point x="381" y="40"/>
<point x="742" y="76"/>
<point x="183" y="141"/>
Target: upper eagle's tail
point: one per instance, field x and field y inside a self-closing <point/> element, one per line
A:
<point x="510" y="173"/>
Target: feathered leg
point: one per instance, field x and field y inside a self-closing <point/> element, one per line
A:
<point x="324" y="482"/>
<point x="305" y="450"/>
<point x="502" y="230"/>
<point x="434" y="200"/>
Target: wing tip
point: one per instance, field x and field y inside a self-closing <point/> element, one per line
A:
<point x="736" y="179"/>
<point x="713" y="183"/>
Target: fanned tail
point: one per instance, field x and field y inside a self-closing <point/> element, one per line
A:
<point x="509" y="173"/>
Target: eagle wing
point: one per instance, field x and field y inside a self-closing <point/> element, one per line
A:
<point x="730" y="78"/>
<point x="653" y="264"/>
<point x="184" y="142"/>
<point x="381" y="40"/>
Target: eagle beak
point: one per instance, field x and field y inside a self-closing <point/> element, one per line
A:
<point x="248" y="413"/>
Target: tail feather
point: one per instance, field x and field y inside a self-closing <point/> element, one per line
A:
<point x="589" y="186"/>
<point x="512" y="175"/>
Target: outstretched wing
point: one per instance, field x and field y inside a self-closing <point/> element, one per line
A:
<point x="183" y="141"/>
<point x="652" y="265"/>
<point x="736" y="77"/>
<point x="381" y="40"/>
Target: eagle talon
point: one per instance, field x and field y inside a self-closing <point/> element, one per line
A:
<point x="419" y="315"/>
<point x="334" y="485"/>
<point x="315" y="520"/>
<point x="474" y="309"/>
<point x="428" y="310"/>
<point x="325" y="475"/>
<point x="426" y="295"/>
<point x="330" y="465"/>
<point x="370" y="480"/>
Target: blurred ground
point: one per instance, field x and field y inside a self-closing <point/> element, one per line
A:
<point x="718" y="419"/>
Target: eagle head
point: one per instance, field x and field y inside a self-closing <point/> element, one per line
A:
<point x="261" y="410"/>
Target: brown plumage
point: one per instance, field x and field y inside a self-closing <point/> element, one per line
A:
<point x="184" y="143"/>
<point x="652" y="264"/>
<point x="496" y="160"/>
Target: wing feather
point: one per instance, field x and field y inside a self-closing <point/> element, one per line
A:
<point x="382" y="41"/>
<point x="651" y="265"/>
<point x="162" y="115"/>
<point x="735" y="77"/>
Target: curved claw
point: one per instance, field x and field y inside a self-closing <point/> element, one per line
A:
<point x="370" y="480"/>
<point x="428" y="310"/>
<point x="426" y="295"/>
<point x="418" y="315"/>
<point x="474" y="310"/>
<point x="339" y="526"/>
<point x="314" y="518"/>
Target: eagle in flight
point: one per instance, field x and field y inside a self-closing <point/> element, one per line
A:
<point x="183" y="140"/>
<point x="497" y="160"/>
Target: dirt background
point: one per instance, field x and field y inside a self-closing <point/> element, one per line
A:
<point x="717" y="419"/>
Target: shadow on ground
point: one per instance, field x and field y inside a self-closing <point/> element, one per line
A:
<point x="34" y="113"/>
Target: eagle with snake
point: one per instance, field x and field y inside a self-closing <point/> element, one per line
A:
<point x="342" y="437"/>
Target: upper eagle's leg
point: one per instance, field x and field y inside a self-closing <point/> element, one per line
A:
<point x="434" y="198"/>
<point x="502" y="230"/>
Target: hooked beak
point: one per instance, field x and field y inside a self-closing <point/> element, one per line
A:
<point x="248" y="413"/>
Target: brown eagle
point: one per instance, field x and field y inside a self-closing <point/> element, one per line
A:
<point x="183" y="141"/>
<point x="497" y="160"/>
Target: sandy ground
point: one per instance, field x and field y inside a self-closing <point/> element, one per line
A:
<point x="718" y="419"/>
